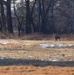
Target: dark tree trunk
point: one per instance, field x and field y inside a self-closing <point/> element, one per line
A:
<point x="52" y="28"/>
<point x="0" y="26"/>
<point x="32" y="12"/>
<point x="9" y="18"/>
<point x="28" y="18"/>
<point x="3" y="23"/>
<point x="44" y="23"/>
<point x="39" y="19"/>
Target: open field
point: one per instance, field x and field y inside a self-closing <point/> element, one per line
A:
<point x="27" y="57"/>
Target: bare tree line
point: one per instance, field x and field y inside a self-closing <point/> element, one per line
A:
<point x="42" y="16"/>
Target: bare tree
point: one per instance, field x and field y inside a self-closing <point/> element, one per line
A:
<point x="9" y="18"/>
<point x="3" y="23"/>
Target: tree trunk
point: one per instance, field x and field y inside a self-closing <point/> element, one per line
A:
<point x="28" y="18"/>
<point x="9" y="18"/>
<point x="3" y="23"/>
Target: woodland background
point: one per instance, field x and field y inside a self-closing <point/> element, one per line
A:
<point x="37" y="16"/>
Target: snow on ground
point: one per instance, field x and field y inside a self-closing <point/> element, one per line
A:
<point x="56" y="45"/>
<point x="2" y="42"/>
<point x="5" y="42"/>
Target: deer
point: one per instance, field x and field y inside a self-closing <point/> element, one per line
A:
<point x="56" y="37"/>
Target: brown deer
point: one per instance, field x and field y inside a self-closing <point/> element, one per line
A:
<point x="57" y="37"/>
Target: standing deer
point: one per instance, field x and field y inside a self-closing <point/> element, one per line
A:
<point x="57" y="37"/>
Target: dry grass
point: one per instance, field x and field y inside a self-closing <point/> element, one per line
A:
<point x="31" y="50"/>
<point x="32" y="70"/>
<point x="36" y="36"/>
<point x="23" y="49"/>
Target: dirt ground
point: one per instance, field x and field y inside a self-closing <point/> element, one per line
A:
<point x="26" y="57"/>
<point x="32" y="70"/>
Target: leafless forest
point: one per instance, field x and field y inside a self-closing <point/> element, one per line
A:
<point x="37" y="16"/>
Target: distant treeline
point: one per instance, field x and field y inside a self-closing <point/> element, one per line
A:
<point x="42" y="16"/>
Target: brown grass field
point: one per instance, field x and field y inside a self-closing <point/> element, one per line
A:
<point x="26" y="57"/>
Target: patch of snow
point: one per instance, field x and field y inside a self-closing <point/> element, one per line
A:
<point x="4" y="42"/>
<point x="53" y="60"/>
<point x="2" y="58"/>
<point x="56" y="45"/>
<point x="44" y="45"/>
